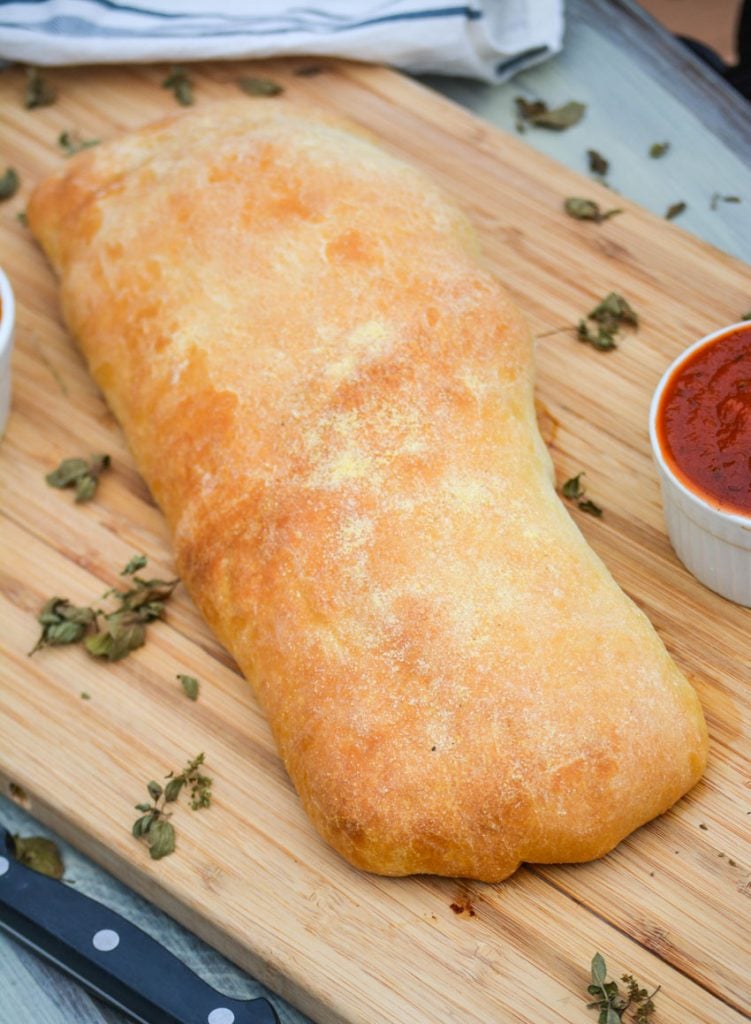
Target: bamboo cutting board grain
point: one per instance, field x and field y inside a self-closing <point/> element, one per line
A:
<point x="671" y="904"/>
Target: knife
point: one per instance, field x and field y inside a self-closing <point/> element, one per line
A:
<point x="110" y="956"/>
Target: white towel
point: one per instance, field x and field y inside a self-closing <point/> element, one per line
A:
<point x="485" y="39"/>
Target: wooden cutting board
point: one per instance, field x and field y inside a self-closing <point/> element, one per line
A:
<point x="671" y="904"/>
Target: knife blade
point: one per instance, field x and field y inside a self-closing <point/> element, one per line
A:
<point x="113" y="958"/>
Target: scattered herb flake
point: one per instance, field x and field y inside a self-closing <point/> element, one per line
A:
<point x="573" y="487"/>
<point x="717" y="198"/>
<point x="602" y="339"/>
<point x="574" y="490"/>
<point x="609" y="315"/>
<point x="537" y="113"/>
<point x="609" y="1001"/>
<point x="136" y="563"/>
<point x="72" y="143"/>
<point x="590" y="507"/>
<point x="658" y="149"/>
<point x="38" y="853"/>
<point x="613" y="311"/>
<point x="528" y="110"/>
<point x="62" y="623"/>
<point x="190" y="686"/>
<point x="38" y="93"/>
<point x="22" y="218"/>
<point x="181" y="85"/>
<point x="120" y="636"/>
<point x="746" y="316"/>
<point x="161" y="839"/>
<point x="200" y="785"/>
<point x="703" y="826"/>
<point x="597" y="163"/>
<point x="562" y="117"/>
<point x="85" y="695"/>
<point x="9" y="184"/>
<point x="309" y="70"/>
<point x="599" y="970"/>
<point x="79" y="473"/>
<point x="675" y="210"/>
<point x="260" y="86"/>
<point x="587" y="209"/>
<point x="123" y="630"/>
<point x="153" y="825"/>
<point x="173" y="788"/>
<point x="155" y="790"/>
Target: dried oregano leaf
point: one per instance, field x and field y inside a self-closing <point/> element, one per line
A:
<point x="614" y="310"/>
<point x="190" y="686"/>
<point x="72" y="143"/>
<point x="598" y="164"/>
<point x="62" y="623"/>
<point x="537" y="113"/>
<point x="82" y="474"/>
<point x="181" y="85"/>
<point x="259" y="86"/>
<point x="658" y="149"/>
<point x="155" y="790"/>
<point x="611" y="1004"/>
<point x="9" y="184"/>
<point x="573" y="486"/>
<point x="718" y="198"/>
<point x="587" y="209"/>
<point x="589" y="506"/>
<point x="136" y="563"/>
<point x="123" y="632"/>
<point x="601" y="339"/>
<point x="38" y="93"/>
<point x="574" y="491"/>
<point x="561" y="117"/>
<point x="527" y="110"/>
<point x="599" y="969"/>
<point x="675" y="210"/>
<point x="85" y="488"/>
<point x="152" y="825"/>
<point x="161" y="839"/>
<point x="67" y="472"/>
<point x="142" y="825"/>
<point x="38" y="853"/>
<point x="124" y="629"/>
<point x="172" y="789"/>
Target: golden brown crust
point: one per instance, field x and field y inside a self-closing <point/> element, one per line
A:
<point x="332" y="403"/>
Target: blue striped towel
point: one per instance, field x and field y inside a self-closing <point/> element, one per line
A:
<point x="485" y="39"/>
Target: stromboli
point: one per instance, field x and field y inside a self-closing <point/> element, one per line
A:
<point x="331" y="401"/>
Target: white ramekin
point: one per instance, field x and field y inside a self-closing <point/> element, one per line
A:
<point x="7" y="323"/>
<point x="713" y="544"/>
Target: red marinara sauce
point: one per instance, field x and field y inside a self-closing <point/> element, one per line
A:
<point x="704" y="421"/>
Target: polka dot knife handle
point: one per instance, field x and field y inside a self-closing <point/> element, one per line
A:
<point x="114" y="959"/>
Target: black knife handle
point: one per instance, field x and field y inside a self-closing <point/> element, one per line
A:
<point x="111" y="956"/>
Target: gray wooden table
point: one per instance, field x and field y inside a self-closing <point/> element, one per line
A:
<point x="641" y="87"/>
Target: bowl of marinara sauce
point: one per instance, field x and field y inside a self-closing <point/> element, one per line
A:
<point x="700" y="429"/>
